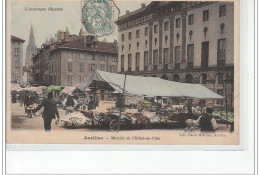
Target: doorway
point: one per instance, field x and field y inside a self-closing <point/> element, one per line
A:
<point x="102" y="92"/>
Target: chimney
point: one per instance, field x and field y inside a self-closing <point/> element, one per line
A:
<point x="87" y="39"/>
<point x="115" y="44"/>
<point x="127" y="12"/>
<point x="142" y="5"/>
<point x="60" y="35"/>
<point x="66" y="34"/>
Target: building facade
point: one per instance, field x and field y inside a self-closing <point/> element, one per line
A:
<point x="70" y="59"/>
<point x="16" y="59"/>
<point x="189" y="42"/>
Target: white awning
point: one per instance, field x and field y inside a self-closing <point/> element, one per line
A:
<point x="150" y="86"/>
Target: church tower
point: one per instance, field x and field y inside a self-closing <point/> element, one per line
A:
<point x="30" y="50"/>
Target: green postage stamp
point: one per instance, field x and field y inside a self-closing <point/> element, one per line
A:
<point x="97" y="17"/>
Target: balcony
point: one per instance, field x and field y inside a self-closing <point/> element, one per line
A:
<point x="221" y="63"/>
<point x="190" y="65"/>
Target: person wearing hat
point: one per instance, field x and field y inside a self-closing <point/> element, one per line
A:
<point x="28" y="101"/>
<point x="206" y="120"/>
<point x="50" y="111"/>
<point x="70" y="103"/>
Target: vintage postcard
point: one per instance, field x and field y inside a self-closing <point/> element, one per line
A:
<point x="122" y="72"/>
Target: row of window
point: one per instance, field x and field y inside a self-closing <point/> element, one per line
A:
<point x="222" y="12"/>
<point x="93" y="57"/>
<point x="221" y="55"/>
<point x="15" y="76"/>
<point x="91" y="67"/>
<point x="70" y="79"/>
<point x="16" y="51"/>
<point x="166" y="38"/>
<point x="137" y="34"/>
<point x="203" y="78"/>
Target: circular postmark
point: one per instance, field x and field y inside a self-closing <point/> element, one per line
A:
<point x="97" y="17"/>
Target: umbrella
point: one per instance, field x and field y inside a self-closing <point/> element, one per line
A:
<point x="39" y="89"/>
<point x="68" y="89"/>
<point x="52" y="88"/>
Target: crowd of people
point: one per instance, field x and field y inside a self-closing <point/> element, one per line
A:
<point x="25" y="98"/>
<point x="71" y="102"/>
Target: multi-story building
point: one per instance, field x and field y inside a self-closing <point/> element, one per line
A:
<point x="189" y="42"/>
<point x="16" y="59"/>
<point x="70" y="59"/>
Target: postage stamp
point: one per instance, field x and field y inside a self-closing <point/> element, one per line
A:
<point x="122" y="72"/>
<point x="97" y="17"/>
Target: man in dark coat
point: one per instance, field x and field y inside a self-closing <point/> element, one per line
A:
<point x="205" y="120"/>
<point x="91" y="103"/>
<point x="49" y="112"/>
<point x="28" y="101"/>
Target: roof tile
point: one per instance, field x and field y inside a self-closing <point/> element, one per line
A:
<point x="100" y="46"/>
<point x="14" y="38"/>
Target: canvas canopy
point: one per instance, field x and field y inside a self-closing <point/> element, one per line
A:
<point x="15" y="87"/>
<point x="150" y="86"/>
<point x="39" y="89"/>
<point x="68" y="89"/>
<point x="29" y="89"/>
<point x="52" y="88"/>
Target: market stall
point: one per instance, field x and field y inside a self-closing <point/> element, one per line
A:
<point x="39" y="89"/>
<point x="68" y="89"/>
<point x="138" y="86"/>
<point x="150" y="86"/>
<point x="15" y="87"/>
<point x="52" y="88"/>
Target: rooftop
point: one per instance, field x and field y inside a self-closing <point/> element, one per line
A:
<point x="94" y="46"/>
<point x="14" y="38"/>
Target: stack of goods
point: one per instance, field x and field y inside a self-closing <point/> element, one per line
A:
<point x="198" y="110"/>
<point x="115" y="109"/>
<point x="144" y="105"/>
<point x="152" y="117"/>
<point x="163" y="118"/>
<point x="75" y="120"/>
<point x="192" y="124"/>
<point x="138" y="119"/>
<point x="223" y="115"/>
<point x="102" y="119"/>
<point x="178" y="108"/>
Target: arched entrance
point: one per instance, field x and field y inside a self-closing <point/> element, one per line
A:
<point x="165" y="77"/>
<point x="188" y="78"/>
<point x="176" y="77"/>
<point x="219" y="78"/>
<point x="203" y="78"/>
